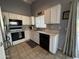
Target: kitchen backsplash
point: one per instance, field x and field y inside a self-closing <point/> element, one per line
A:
<point x="54" y="26"/>
<point x="26" y="27"/>
<point x="50" y="27"/>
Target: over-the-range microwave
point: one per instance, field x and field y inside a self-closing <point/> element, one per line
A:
<point x="15" y="24"/>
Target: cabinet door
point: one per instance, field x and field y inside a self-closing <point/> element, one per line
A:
<point x="32" y="35"/>
<point x="19" y="17"/>
<point x="58" y="13"/>
<point x="27" y="35"/>
<point x="12" y="16"/>
<point x="48" y="16"/>
<point x="26" y="20"/>
<point x="37" y="37"/>
<point x="53" y="15"/>
<point x="54" y="43"/>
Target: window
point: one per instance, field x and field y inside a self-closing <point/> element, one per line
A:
<point x="40" y="23"/>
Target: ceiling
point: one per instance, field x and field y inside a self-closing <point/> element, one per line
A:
<point x="28" y="1"/>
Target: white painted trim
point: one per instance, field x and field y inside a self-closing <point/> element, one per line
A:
<point x="19" y="41"/>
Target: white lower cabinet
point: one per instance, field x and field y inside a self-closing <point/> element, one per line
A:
<point x="50" y="44"/>
<point x="27" y="35"/>
<point x="35" y="36"/>
<point x="32" y="35"/>
<point x="53" y="44"/>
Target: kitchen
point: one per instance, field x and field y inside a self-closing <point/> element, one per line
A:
<point x="42" y="28"/>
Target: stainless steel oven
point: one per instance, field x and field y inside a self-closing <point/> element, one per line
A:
<point x="17" y="35"/>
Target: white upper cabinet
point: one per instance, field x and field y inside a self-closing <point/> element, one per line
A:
<point x="25" y="19"/>
<point x="48" y="16"/>
<point x="32" y="20"/>
<point x="12" y="16"/>
<point x="58" y="13"/>
<point x="53" y="14"/>
<point x="5" y="14"/>
<point x="19" y="17"/>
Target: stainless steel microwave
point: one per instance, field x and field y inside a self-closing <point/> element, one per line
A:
<point x="15" y="24"/>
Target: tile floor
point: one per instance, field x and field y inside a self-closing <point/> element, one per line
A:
<point x="24" y="51"/>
